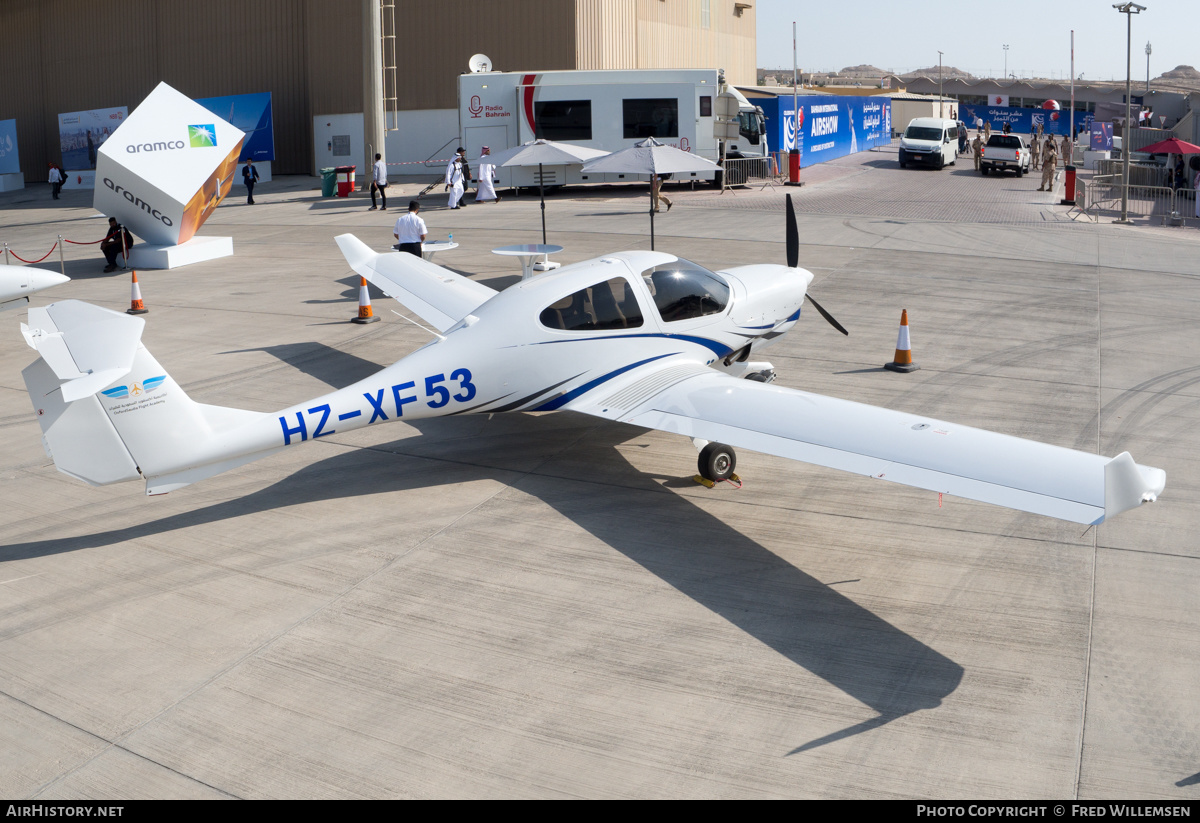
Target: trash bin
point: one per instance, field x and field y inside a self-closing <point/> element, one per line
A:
<point x="345" y="180"/>
<point x="328" y="182"/>
<point x="1069" y="187"/>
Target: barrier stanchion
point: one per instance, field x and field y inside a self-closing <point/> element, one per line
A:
<point x="6" y="254"/>
<point x="61" y="263"/>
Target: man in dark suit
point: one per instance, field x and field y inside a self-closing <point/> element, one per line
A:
<point x="249" y="177"/>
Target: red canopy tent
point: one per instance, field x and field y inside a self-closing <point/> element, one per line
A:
<point x="1171" y="146"/>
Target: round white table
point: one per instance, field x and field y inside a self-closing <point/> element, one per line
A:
<point x="428" y="250"/>
<point x="528" y="252"/>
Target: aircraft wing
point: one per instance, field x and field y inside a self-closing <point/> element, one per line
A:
<point x="911" y="449"/>
<point x="439" y="296"/>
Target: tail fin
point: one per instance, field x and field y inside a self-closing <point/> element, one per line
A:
<point x="109" y="412"/>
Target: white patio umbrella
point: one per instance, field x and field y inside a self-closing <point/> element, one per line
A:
<point x="650" y="157"/>
<point x="544" y="153"/>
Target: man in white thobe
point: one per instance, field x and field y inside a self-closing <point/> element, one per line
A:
<point x="487" y="183"/>
<point x="455" y="179"/>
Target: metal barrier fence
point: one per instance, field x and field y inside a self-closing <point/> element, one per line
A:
<point x="741" y="171"/>
<point x="1140" y="174"/>
<point x="1148" y="205"/>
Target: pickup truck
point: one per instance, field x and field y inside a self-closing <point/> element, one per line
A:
<point x="1005" y="152"/>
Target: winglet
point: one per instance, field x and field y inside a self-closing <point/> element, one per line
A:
<point x="1128" y="485"/>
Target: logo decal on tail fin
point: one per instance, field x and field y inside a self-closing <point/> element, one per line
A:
<point x="135" y="389"/>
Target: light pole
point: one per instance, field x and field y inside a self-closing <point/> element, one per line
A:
<point x="1147" y="67"/>
<point x="941" y="111"/>
<point x="1005" y="60"/>
<point x="1127" y="9"/>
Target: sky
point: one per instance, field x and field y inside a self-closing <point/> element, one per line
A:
<point x="902" y="36"/>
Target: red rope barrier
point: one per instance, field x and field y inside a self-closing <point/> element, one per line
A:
<point x="40" y="259"/>
<point x="84" y="243"/>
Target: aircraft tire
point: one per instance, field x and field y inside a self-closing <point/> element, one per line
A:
<point x="717" y="462"/>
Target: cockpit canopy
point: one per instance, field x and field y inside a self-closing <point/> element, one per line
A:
<point x="610" y="304"/>
<point x="683" y="290"/>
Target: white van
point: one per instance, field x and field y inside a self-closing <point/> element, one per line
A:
<point x="930" y="141"/>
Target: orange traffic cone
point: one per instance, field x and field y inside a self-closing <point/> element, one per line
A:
<point x="136" y="306"/>
<point x="365" y="315"/>
<point x="903" y="361"/>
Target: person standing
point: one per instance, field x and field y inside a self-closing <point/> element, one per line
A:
<point x="410" y="231"/>
<point x="379" y="182"/>
<point x="56" y="180"/>
<point x="1035" y="153"/>
<point x="1066" y="149"/>
<point x="1196" y="192"/>
<point x="249" y="177"/>
<point x="486" y="188"/>
<point x="1049" y="161"/>
<point x="987" y="130"/>
<point x="656" y="194"/>
<point x="977" y="149"/>
<point x="456" y="172"/>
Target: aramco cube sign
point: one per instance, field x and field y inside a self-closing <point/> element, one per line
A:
<point x="165" y="169"/>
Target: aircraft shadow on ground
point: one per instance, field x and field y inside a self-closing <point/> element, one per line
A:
<point x="1189" y="781"/>
<point x="730" y="574"/>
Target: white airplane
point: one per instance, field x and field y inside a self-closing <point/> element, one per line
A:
<point x="639" y="337"/>
<point x="18" y="282"/>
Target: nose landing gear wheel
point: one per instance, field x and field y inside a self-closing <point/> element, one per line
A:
<point x="717" y="462"/>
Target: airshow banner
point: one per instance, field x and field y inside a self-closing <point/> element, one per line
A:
<point x="1023" y="121"/>
<point x="252" y="114"/>
<point x="80" y="136"/>
<point x="10" y="163"/>
<point x="829" y="126"/>
<point x="1102" y="137"/>
<point x="166" y="169"/>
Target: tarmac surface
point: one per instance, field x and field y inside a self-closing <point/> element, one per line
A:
<point x="546" y="605"/>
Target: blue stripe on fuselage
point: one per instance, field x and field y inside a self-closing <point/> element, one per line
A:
<point x="563" y="399"/>
<point x="719" y="349"/>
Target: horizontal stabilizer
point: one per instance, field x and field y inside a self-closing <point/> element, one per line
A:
<point x="86" y="347"/>
<point x="437" y="295"/>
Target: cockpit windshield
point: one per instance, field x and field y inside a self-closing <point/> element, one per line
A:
<point x="683" y="290"/>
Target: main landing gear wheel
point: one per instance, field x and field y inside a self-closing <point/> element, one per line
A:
<point x="717" y="462"/>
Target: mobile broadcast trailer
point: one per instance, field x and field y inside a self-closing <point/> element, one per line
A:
<point x="607" y="110"/>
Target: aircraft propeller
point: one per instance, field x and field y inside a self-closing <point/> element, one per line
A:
<point x="793" y="260"/>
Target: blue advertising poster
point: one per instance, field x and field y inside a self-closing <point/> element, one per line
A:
<point x="1023" y="121"/>
<point x="829" y="126"/>
<point x="10" y="163"/>
<point x="252" y="114"/>
<point x="1102" y="137"/>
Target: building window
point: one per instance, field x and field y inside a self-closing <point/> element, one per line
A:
<point x="563" y="119"/>
<point x="706" y="107"/>
<point x="652" y="117"/>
